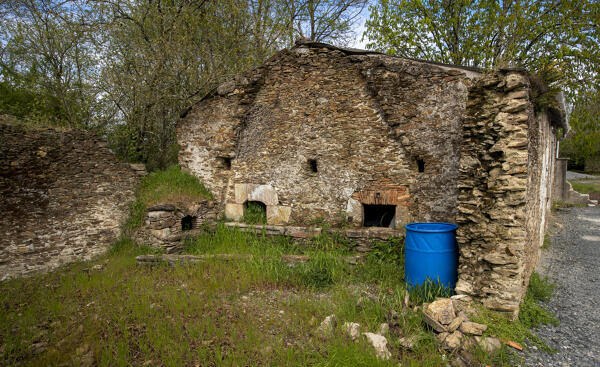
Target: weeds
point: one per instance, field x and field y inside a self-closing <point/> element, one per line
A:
<point x="254" y="213"/>
<point x="428" y="291"/>
<point x="531" y="315"/>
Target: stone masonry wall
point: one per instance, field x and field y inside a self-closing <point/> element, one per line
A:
<point x="505" y="179"/>
<point x="63" y="197"/>
<point x="364" y="119"/>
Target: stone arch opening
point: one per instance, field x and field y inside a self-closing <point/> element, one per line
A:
<point x="255" y="212"/>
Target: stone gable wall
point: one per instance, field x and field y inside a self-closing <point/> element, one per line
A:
<point x="63" y="197"/>
<point x="365" y="119"/>
<point x="506" y="171"/>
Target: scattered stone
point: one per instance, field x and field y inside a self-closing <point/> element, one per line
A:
<point x="472" y="328"/>
<point x="455" y="324"/>
<point x="384" y="328"/>
<point x="453" y="341"/>
<point x="408" y="342"/>
<point x="327" y="326"/>
<point x="458" y="362"/>
<point x="461" y="302"/>
<point x="488" y="344"/>
<point x="352" y="329"/>
<point x="441" y="310"/>
<point x="435" y="325"/>
<point x="379" y="342"/>
<point x="441" y="336"/>
<point x="97" y="267"/>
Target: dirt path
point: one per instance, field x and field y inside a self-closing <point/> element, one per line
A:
<point x="572" y="262"/>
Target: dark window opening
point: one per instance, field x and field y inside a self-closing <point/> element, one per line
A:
<point x="224" y="162"/>
<point x="421" y="165"/>
<point x="255" y="212"/>
<point x="188" y="223"/>
<point x="312" y="164"/>
<point x="379" y="215"/>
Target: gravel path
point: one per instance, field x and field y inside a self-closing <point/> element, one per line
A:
<point x="578" y="176"/>
<point x="572" y="262"/>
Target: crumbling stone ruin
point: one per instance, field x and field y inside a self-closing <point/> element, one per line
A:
<point x="63" y="198"/>
<point x="358" y="138"/>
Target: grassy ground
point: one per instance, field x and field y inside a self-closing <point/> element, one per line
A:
<point x="255" y="312"/>
<point x="589" y="186"/>
<point x="260" y="311"/>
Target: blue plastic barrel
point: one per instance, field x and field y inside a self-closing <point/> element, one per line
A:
<point x="430" y="252"/>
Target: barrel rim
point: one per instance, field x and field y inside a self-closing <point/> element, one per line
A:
<point x="451" y="227"/>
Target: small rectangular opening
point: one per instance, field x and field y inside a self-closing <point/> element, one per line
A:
<point x="379" y="215"/>
<point x="224" y="162"/>
<point x="421" y="165"/>
<point x="312" y="165"/>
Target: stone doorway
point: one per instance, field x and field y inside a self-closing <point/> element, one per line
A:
<point x="379" y="215"/>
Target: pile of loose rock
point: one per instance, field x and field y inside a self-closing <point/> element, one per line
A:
<point x="449" y="318"/>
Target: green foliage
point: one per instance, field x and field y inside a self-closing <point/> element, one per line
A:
<point x="254" y="213"/>
<point x="428" y="291"/>
<point x="171" y="185"/>
<point x="583" y="141"/>
<point x="321" y="271"/>
<point x="492" y="34"/>
<point x="391" y="251"/>
<point x="531" y="315"/>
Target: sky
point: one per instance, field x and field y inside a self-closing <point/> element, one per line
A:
<point x="359" y="29"/>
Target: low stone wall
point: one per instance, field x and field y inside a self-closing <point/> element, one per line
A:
<point x="166" y="223"/>
<point x="505" y="182"/>
<point x="164" y="228"/>
<point x="63" y="198"/>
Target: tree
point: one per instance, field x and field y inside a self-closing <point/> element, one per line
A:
<point x="583" y="141"/>
<point x="47" y="54"/>
<point x="563" y="35"/>
<point x="324" y="20"/>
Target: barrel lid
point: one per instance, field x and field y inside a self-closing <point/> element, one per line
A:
<point x="431" y="227"/>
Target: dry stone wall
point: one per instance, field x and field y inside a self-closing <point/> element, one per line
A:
<point x="320" y="131"/>
<point x="505" y="181"/>
<point x="63" y="197"/>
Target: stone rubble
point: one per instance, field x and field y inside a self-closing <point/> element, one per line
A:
<point x="379" y="343"/>
<point x="352" y="329"/>
<point x="327" y="327"/>
<point x="456" y="332"/>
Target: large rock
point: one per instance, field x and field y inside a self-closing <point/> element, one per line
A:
<point x="489" y="345"/>
<point x="435" y="325"/>
<point x="352" y="329"/>
<point x="441" y="310"/>
<point x="473" y="328"/>
<point x="453" y="341"/>
<point x="455" y="324"/>
<point x="379" y="343"/>
<point x="325" y="330"/>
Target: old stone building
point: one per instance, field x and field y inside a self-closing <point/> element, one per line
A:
<point x="359" y="138"/>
